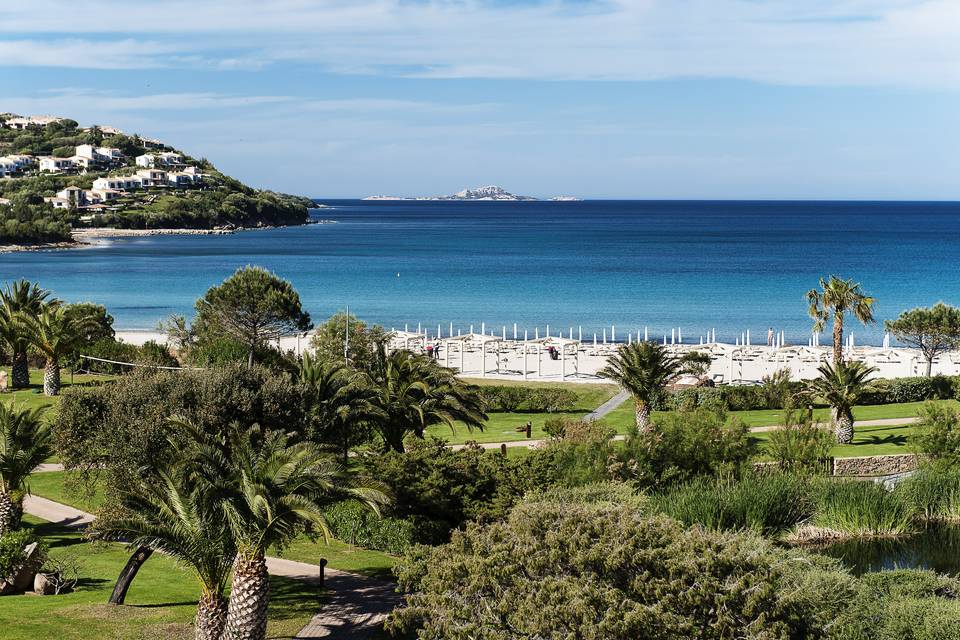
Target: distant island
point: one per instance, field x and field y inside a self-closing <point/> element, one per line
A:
<point x="485" y="194"/>
<point x="60" y="182"/>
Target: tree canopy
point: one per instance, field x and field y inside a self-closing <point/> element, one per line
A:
<point x="253" y="306"/>
<point x="933" y="330"/>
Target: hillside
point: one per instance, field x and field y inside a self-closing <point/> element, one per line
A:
<point x="56" y="176"/>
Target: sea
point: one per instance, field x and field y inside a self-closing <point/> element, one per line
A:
<point x="620" y="267"/>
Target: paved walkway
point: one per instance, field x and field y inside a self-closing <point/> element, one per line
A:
<point x="355" y="609"/>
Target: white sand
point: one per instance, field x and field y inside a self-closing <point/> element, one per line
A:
<point x="505" y="360"/>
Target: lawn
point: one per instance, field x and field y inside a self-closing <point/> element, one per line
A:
<point x="622" y="418"/>
<point x="55" y="486"/>
<point x="502" y="427"/>
<point x="867" y="441"/>
<point x="161" y="603"/>
<point x="32" y="397"/>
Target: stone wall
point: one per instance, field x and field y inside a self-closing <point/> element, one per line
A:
<point x="874" y="465"/>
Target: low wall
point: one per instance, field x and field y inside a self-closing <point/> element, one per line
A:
<point x="875" y="465"/>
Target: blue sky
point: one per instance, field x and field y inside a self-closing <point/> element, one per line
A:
<point x="595" y="98"/>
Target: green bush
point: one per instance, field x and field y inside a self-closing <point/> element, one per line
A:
<point x="744" y="398"/>
<point x="919" y="389"/>
<point x="938" y="434"/>
<point x="614" y="493"/>
<point x="354" y="523"/>
<point x="550" y="400"/>
<point x="601" y="572"/>
<point x="12" y="545"/>
<point x="682" y="446"/>
<point x="800" y="445"/>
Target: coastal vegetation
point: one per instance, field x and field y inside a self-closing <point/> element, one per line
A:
<point x="333" y="455"/>
<point x="932" y="330"/>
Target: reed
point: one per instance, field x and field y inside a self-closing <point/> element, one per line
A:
<point x="932" y="493"/>
<point x="861" y="509"/>
<point x="768" y="504"/>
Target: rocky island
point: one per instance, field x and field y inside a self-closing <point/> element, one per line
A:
<point x="483" y="194"/>
<point x="60" y="182"/>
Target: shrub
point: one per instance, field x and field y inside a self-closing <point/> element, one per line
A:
<point x="354" y="523"/>
<point x="682" y="446"/>
<point x="800" y="445"/>
<point x="766" y="504"/>
<point x="743" y="398"/>
<point x="598" y="571"/>
<point x="860" y="508"/>
<point x="12" y="545"/>
<point x="938" y="434"/>
<point x="919" y="389"/>
<point x="614" y="493"/>
<point x="550" y="400"/>
<point x="503" y="398"/>
<point x="577" y="430"/>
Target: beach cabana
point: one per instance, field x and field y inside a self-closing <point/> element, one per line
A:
<point x="471" y="340"/>
<point x="563" y="345"/>
<point x="407" y="340"/>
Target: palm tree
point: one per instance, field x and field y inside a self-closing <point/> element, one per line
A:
<point x="643" y="369"/>
<point x="342" y="400"/>
<point x="54" y="333"/>
<point x="836" y="297"/>
<point x="269" y="492"/>
<point x="171" y="514"/>
<point x="19" y="299"/>
<point x="414" y="392"/>
<point x="24" y="443"/>
<point x="841" y="386"/>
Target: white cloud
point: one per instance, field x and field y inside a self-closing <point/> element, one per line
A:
<point x="859" y="42"/>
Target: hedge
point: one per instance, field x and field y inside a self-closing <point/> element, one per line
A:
<point x="356" y="524"/>
<point x="504" y="398"/>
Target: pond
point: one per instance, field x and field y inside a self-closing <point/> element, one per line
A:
<point x="936" y="548"/>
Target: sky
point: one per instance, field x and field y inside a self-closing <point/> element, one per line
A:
<point x="675" y="99"/>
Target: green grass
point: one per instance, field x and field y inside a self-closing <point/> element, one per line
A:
<point x="161" y="602"/>
<point x="343" y="556"/>
<point x="55" y="486"/>
<point x="502" y="427"/>
<point x="32" y="397"/>
<point x="622" y="418"/>
<point x="867" y="441"/>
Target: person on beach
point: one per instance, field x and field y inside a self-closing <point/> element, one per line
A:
<point x="770" y="337"/>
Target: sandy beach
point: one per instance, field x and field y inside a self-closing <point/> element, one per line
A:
<point x="731" y="364"/>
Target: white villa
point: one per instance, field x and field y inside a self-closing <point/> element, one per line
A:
<point x="26" y="122"/>
<point x="56" y="165"/>
<point x="12" y="164"/>
<point x="99" y="154"/>
<point x="164" y="159"/>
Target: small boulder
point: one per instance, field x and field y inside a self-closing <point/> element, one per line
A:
<point x="44" y="584"/>
<point x="22" y="577"/>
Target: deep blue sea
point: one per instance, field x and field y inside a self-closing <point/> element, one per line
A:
<point x="695" y="265"/>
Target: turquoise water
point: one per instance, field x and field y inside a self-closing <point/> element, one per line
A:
<point x="695" y="265"/>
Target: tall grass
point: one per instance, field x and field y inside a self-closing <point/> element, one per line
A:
<point x="768" y="504"/>
<point x="861" y="508"/>
<point x="932" y="493"/>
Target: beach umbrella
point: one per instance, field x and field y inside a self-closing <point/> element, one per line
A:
<point x="604" y="335"/>
<point x="673" y="336"/>
<point x="571" y="333"/>
<point x="701" y="341"/>
<point x="664" y="339"/>
<point x="536" y="333"/>
<point x="439" y="334"/>
<point x="483" y="328"/>
<point x="594" y="340"/>
<point x="580" y="332"/>
<point x="748" y="337"/>
<point x="504" y="337"/>
<point x="418" y="328"/>
<point x="471" y="328"/>
<point x="514" y="330"/>
<point x="629" y="338"/>
<point x="524" y="335"/>
<point x="644" y="334"/>
<point x="613" y="333"/>
<point x="679" y="336"/>
<point x="406" y="328"/>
